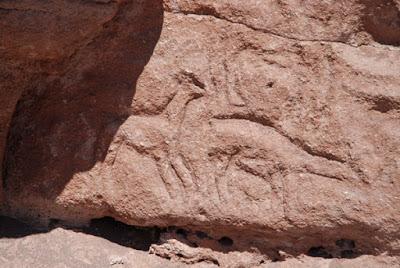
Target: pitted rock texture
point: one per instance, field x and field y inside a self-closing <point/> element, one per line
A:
<point x="74" y="249"/>
<point x="274" y="124"/>
<point x="77" y="248"/>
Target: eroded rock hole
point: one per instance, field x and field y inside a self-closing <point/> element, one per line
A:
<point x="347" y="248"/>
<point x="319" y="252"/>
<point x="225" y="241"/>
<point x="140" y="238"/>
<point x="384" y="104"/>
<point x="346" y="244"/>
<point x="201" y="235"/>
<point x="213" y="261"/>
<point x="381" y="19"/>
<point x="348" y="254"/>
<point x="183" y="233"/>
<point x="54" y="223"/>
<point x="270" y="84"/>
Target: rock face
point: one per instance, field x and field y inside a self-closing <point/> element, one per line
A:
<point x="266" y="126"/>
<point x="74" y="249"/>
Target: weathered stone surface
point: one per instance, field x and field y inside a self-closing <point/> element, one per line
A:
<point x="37" y="39"/>
<point x="74" y="249"/>
<point x="275" y="124"/>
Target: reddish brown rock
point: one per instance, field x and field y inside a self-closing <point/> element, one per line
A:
<point x="74" y="249"/>
<point x="274" y="126"/>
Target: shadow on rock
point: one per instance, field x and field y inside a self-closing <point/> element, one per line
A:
<point x="66" y="121"/>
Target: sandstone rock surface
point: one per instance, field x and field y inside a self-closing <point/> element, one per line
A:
<point x="74" y="249"/>
<point x="265" y="126"/>
<point x="67" y="248"/>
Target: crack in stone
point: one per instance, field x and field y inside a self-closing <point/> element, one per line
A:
<point x="265" y="31"/>
<point x="25" y="10"/>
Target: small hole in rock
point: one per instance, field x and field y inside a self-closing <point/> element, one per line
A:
<point x="53" y="223"/>
<point x="319" y="252"/>
<point x="348" y="254"/>
<point x="182" y="233"/>
<point x="384" y="105"/>
<point x="215" y="262"/>
<point x="270" y="84"/>
<point x="201" y="235"/>
<point x="225" y="241"/>
<point x="346" y="244"/>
